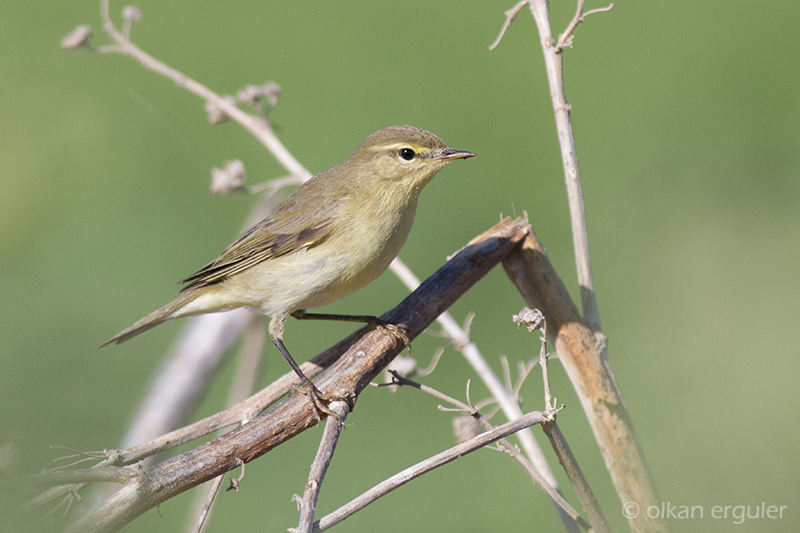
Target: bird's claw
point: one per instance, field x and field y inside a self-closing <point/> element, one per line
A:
<point x="318" y="400"/>
<point x="398" y="332"/>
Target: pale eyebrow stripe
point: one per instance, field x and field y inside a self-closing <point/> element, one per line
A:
<point x="397" y="146"/>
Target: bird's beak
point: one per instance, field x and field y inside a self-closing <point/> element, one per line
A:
<point x="449" y="154"/>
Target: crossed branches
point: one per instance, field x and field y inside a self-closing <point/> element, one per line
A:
<point x="354" y="362"/>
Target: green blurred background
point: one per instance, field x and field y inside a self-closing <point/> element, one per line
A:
<point x="686" y="119"/>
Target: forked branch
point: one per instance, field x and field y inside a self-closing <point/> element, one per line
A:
<point x="554" y="65"/>
<point x="221" y="108"/>
<point x="358" y="360"/>
<point x="582" y="352"/>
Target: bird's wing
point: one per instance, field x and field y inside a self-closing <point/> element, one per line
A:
<point x="283" y="232"/>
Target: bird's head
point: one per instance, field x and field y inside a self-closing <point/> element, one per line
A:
<point x="401" y="158"/>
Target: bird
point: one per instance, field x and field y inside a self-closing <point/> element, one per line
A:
<point x="330" y="237"/>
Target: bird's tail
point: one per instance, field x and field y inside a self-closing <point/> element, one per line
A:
<point x="153" y="319"/>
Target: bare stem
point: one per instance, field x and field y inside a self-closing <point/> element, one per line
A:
<point x="358" y="360"/>
<point x="554" y="65"/>
<point x="243" y="383"/>
<point x="565" y="39"/>
<point x="413" y="472"/>
<point x="256" y="125"/>
<point x="576" y="477"/>
<point x="205" y="504"/>
<point x="555" y="495"/>
<point x="505" y="398"/>
<point x="534" y="320"/>
<point x="549" y="402"/>
<point x="511" y="14"/>
<point x="569" y="155"/>
<point x="582" y="352"/>
<point x="333" y="428"/>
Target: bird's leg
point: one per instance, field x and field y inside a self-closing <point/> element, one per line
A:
<point x="397" y="332"/>
<point x="318" y="400"/>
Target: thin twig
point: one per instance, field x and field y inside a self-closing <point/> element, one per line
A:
<point x="205" y="502"/>
<point x="506" y="446"/>
<point x="236" y="482"/>
<point x="576" y="477"/>
<point x="359" y="359"/>
<point x="256" y="125"/>
<point x="243" y="383"/>
<point x="524" y="371"/>
<point x="85" y="456"/>
<point x="511" y="14"/>
<point x="437" y="355"/>
<point x="506" y="372"/>
<point x="582" y="352"/>
<point x="507" y="401"/>
<point x="333" y="428"/>
<point x="64" y="505"/>
<point x="534" y="320"/>
<point x="549" y="403"/>
<point x="50" y="495"/>
<point x="274" y="185"/>
<point x="565" y="39"/>
<point x="425" y="466"/>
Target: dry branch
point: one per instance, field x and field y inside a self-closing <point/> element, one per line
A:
<point x="401" y="478"/>
<point x="582" y="352"/>
<point x="260" y="128"/>
<point x="363" y="356"/>
<point x="534" y="319"/>
<point x="225" y="107"/>
<point x="553" y="61"/>
<point x="330" y="437"/>
<point x="506" y="398"/>
<point x="576" y="477"/>
<point x="547" y="416"/>
<point x="579" y="343"/>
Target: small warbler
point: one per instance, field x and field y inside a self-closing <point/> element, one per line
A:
<point x="332" y="236"/>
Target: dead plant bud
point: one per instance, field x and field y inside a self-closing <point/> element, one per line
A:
<point x="253" y="95"/>
<point x="215" y="113"/>
<point x="131" y="13"/>
<point x="465" y="428"/>
<point x="77" y="39"/>
<point x="530" y="318"/>
<point x="229" y="178"/>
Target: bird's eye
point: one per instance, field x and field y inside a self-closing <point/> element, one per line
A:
<point x="407" y="153"/>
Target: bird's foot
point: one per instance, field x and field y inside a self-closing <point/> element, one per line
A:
<point x="319" y="401"/>
<point x="398" y="332"/>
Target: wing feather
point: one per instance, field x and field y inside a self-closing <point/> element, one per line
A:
<point x="280" y="234"/>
